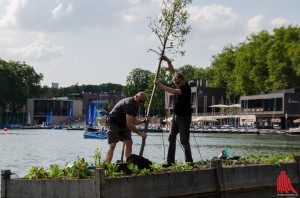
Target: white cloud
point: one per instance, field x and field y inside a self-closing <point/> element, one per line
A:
<point x="42" y="50"/>
<point x="9" y="18"/>
<point x="255" y="24"/>
<point x="60" y="10"/>
<point x="133" y="1"/>
<point x="277" y="22"/>
<point x="212" y="16"/>
<point x="211" y="21"/>
<point x="129" y="18"/>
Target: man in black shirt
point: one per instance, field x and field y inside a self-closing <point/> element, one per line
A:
<point x="182" y="114"/>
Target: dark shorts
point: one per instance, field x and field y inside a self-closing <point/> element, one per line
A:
<point x="116" y="133"/>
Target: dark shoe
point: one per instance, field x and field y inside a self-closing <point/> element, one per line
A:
<point x="167" y="165"/>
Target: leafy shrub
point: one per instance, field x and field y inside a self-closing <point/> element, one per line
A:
<point x="80" y="169"/>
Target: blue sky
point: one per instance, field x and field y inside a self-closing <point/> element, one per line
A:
<point x="102" y="41"/>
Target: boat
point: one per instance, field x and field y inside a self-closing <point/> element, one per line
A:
<point x="58" y="127"/>
<point x="91" y="128"/>
<point x="293" y="131"/>
<point x="101" y="134"/>
<point x="11" y="126"/>
<point x="76" y="127"/>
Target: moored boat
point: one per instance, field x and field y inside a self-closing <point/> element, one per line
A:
<point x="293" y="131"/>
<point x="95" y="134"/>
<point x="76" y="127"/>
<point x="58" y="127"/>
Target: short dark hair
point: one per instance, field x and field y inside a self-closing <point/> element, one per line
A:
<point x="178" y="76"/>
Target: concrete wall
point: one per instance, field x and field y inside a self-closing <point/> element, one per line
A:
<point x="218" y="179"/>
<point x="21" y="188"/>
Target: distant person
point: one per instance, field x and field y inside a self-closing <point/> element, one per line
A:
<point x="181" y="120"/>
<point x="121" y="121"/>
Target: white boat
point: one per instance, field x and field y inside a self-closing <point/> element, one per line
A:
<point x="293" y="131"/>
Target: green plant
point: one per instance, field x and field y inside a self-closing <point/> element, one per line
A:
<point x="112" y="171"/>
<point x="55" y="171"/>
<point x="260" y="159"/>
<point x="156" y="167"/>
<point x="202" y="164"/>
<point x="133" y="168"/>
<point x="97" y="159"/>
<point x="37" y="173"/>
<point x="79" y="170"/>
<point x="145" y="171"/>
<point x="180" y="166"/>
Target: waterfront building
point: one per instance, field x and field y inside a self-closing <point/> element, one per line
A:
<point x="280" y="107"/>
<point x="271" y="109"/>
<point x="38" y="109"/>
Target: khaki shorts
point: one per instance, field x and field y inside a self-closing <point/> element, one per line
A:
<point x="116" y="133"/>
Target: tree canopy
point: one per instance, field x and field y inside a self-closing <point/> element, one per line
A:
<point x="264" y="62"/>
<point x="19" y="81"/>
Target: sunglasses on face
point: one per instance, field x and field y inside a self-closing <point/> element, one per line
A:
<point x="177" y="82"/>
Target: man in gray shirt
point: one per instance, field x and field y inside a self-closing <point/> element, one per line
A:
<point x="121" y="121"/>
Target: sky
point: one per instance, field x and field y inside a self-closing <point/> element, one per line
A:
<point x="101" y="41"/>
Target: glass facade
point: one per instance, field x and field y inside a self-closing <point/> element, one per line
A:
<point x="273" y="104"/>
<point x="58" y="108"/>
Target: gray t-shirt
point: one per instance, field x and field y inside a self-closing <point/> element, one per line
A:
<point x="123" y="107"/>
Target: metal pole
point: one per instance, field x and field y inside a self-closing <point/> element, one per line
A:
<point x="286" y="116"/>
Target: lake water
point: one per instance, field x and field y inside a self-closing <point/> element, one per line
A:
<point x="22" y="149"/>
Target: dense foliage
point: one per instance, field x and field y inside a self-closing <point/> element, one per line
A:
<point x="264" y="62"/>
<point x="19" y="81"/>
<point x="136" y="81"/>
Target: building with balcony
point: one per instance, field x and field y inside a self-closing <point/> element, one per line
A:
<point x="202" y="99"/>
<point x="280" y="107"/>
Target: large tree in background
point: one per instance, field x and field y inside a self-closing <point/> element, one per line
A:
<point x="264" y="62"/>
<point x="188" y="71"/>
<point x="221" y="67"/>
<point x="284" y="59"/>
<point x="19" y="81"/>
<point x="136" y="81"/>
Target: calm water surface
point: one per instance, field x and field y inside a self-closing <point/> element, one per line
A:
<point x="22" y="149"/>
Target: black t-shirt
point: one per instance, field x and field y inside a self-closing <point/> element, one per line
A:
<point x="182" y="105"/>
<point x="123" y="107"/>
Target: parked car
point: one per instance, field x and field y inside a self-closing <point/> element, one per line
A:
<point x="276" y="126"/>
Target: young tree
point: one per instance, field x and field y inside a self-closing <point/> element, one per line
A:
<point x="170" y="28"/>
